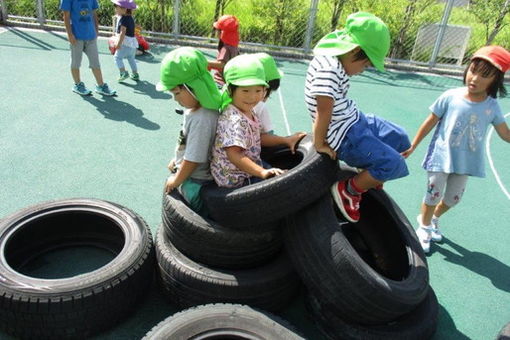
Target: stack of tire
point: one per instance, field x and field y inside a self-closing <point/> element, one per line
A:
<point x="364" y="281"/>
<point x="367" y="280"/>
<point x="237" y="256"/>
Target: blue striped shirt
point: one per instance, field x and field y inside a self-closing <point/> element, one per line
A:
<point x="326" y="77"/>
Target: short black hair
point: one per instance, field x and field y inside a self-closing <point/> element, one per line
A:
<point x="486" y="69"/>
<point x="274" y="85"/>
<point x="361" y="55"/>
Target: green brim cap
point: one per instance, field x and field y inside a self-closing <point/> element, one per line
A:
<point x="242" y="70"/>
<point x="361" y="29"/>
<point x="187" y="65"/>
<point x="270" y="69"/>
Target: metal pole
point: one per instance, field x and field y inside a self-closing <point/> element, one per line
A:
<point x="176" y="26"/>
<point x="441" y="32"/>
<point x="40" y="12"/>
<point x="309" y="27"/>
<point x="4" y="13"/>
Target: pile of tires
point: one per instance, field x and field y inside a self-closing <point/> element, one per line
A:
<point x="367" y="280"/>
<point x="49" y="304"/>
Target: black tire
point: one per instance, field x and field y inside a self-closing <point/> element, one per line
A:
<point x="369" y="272"/>
<point x="80" y="305"/>
<point x="504" y="334"/>
<point x="419" y="324"/>
<point x="209" y="243"/>
<point x="223" y="321"/>
<point x="187" y="283"/>
<point x="310" y="176"/>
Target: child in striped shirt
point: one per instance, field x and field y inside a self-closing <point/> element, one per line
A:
<point x="340" y="129"/>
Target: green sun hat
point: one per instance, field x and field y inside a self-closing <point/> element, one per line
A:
<point x="187" y="65"/>
<point x="270" y="69"/>
<point x="244" y="71"/>
<point x="361" y="29"/>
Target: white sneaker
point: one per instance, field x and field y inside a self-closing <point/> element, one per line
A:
<point x="424" y="237"/>
<point x="435" y="233"/>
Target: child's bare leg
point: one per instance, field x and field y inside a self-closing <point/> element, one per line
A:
<point x="98" y="75"/>
<point x="75" y="72"/>
<point x="426" y="213"/>
<point x="441" y="208"/>
<point x="365" y="181"/>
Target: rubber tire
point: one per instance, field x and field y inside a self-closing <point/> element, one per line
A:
<point x="309" y="178"/>
<point x="188" y="283"/>
<point x="207" y="242"/>
<point x="419" y="324"/>
<point x="504" y="334"/>
<point x="225" y="321"/>
<point x="81" y="305"/>
<point x="335" y="268"/>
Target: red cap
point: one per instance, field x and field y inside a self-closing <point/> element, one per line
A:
<point x="228" y="25"/>
<point x="496" y="55"/>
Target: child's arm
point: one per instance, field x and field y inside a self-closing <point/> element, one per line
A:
<point x="219" y="65"/>
<point x="321" y="124"/>
<point x="267" y="139"/>
<point x="69" y="31"/>
<point x="423" y="131"/>
<point x="236" y="155"/>
<point x="121" y="37"/>
<point x="503" y="132"/>
<point x="182" y="174"/>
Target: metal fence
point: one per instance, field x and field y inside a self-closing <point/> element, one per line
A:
<point x="427" y="35"/>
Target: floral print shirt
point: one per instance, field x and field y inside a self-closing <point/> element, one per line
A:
<point x="234" y="129"/>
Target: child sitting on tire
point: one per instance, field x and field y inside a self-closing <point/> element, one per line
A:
<point x="184" y="73"/>
<point x="236" y="152"/>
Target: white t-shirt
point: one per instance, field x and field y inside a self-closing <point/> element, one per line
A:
<point x="326" y="77"/>
<point x="262" y="113"/>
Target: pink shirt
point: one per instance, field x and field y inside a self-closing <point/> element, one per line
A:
<point x="234" y="129"/>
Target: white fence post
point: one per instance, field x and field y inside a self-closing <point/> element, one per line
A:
<point x="176" y="26"/>
<point x="440" y="34"/>
<point x="3" y="13"/>
<point x="310" y="25"/>
<point x="41" y="17"/>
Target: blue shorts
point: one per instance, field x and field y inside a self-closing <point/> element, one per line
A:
<point x="375" y="144"/>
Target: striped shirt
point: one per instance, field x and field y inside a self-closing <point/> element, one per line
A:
<point x="326" y="77"/>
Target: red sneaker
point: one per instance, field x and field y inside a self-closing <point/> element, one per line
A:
<point x="347" y="203"/>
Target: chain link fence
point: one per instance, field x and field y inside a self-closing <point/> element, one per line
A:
<point x="427" y="35"/>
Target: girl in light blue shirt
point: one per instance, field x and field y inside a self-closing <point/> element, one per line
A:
<point x="456" y="151"/>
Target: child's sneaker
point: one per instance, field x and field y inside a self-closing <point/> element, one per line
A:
<point x="105" y="90"/>
<point x="81" y="89"/>
<point x="135" y="76"/>
<point x="347" y="203"/>
<point x="123" y="76"/>
<point x="424" y="236"/>
<point x="435" y="233"/>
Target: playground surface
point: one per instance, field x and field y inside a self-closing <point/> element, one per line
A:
<point x="55" y="144"/>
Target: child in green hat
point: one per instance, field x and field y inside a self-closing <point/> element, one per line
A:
<point x="340" y="129"/>
<point x="273" y="76"/>
<point x="184" y="73"/>
<point x="236" y="152"/>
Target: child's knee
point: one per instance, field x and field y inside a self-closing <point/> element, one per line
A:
<point x="392" y="168"/>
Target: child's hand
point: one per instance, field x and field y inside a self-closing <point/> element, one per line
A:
<point x="408" y="152"/>
<point x="171" y="165"/>
<point x="293" y="140"/>
<point x="325" y="148"/>
<point x="268" y="173"/>
<point x="170" y="184"/>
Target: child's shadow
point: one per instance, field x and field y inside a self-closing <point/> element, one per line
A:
<point x="121" y="111"/>
<point x="144" y="87"/>
<point x="480" y="263"/>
